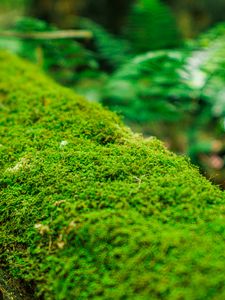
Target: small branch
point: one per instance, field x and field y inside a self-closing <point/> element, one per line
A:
<point x="52" y="35"/>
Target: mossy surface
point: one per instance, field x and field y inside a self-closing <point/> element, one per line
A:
<point x="91" y="211"/>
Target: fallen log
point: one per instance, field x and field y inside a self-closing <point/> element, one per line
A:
<point x="48" y="35"/>
<point x="91" y="211"/>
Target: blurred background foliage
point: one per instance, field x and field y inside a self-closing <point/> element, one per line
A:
<point x="160" y="64"/>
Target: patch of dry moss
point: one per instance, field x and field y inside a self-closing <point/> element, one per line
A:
<point x="90" y="211"/>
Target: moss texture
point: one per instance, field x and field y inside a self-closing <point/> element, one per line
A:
<point x="91" y="211"/>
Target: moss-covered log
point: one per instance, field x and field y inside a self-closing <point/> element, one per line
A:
<point x="91" y="211"/>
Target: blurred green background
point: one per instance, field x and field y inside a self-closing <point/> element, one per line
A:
<point x="159" y="64"/>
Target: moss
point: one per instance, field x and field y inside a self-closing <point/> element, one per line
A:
<point x="91" y="211"/>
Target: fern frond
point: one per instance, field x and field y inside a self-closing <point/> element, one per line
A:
<point x="212" y="65"/>
<point x="151" y="25"/>
<point x="111" y="49"/>
<point x="150" y="87"/>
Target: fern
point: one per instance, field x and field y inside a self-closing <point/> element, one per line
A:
<point x="150" y="26"/>
<point x="150" y="88"/>
<point x="110" y="49"/>
<point x="161" y="85"/>
<point x="212" y="65"/>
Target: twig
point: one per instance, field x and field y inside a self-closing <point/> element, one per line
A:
<point x="53" y="35"/>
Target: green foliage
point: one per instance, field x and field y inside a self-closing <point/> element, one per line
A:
<point x="91" y="211"/>
<point x="110" y="49"/>
<point x="150" y="88"/>
<point x="213" y="67"/>
<point x="151" y="26"/>
<point x="62" y="59"/>
<point x="13" y="3"/>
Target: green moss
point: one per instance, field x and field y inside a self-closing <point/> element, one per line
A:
<point x="91" y="211"/>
